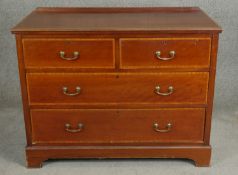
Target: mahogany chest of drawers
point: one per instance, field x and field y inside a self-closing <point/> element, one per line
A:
<point x="117" y="82"/>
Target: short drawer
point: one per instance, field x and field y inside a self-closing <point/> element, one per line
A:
<point x="69" y="53"/>
<point x="113" y="88"/>
<point x="165" y="53"/>
<point x="117" y="126"/>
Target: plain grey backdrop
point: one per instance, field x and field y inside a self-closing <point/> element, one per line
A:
<point x="225" y="124"/>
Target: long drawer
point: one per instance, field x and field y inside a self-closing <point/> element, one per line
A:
<point x="117" y="126"/>
<point x="69" y="53"/>
<point x="165" y="52"/>
<point x="126" y="88"/>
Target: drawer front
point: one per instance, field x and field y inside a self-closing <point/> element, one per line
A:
<point x="69" y="53"/>
<point x="126" y="88"/>
<point x="117" y="126"/>
<point x="165" y="53"/>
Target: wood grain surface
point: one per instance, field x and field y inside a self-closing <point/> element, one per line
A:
<point x="128" y="88"/>
<point x="141" y="52"/>
<point x="117" y="71"/>
<point x="117" y="126"/>
<point x="45" y="53"/>
<point x="177" y="20"/>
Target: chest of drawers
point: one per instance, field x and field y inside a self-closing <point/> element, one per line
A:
<point x="117" y="83"/>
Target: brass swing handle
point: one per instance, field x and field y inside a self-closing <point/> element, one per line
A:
<point x="170" y="91"/>
<point x="77" y="91"/>
<point x="69" y="128"/>
<point x="75" y="56"/>
<point x="171" y="54"/>
<point x="168" y="128"/>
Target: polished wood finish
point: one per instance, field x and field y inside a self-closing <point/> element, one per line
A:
<point x="127" y="88"/>
<point x="117" y="126"/>
<point x="117" y="71"/>
<point x="140" y="52"/>
<point x="161" y="20"/>
<point x="22" y="76"/>
<point x="211" y="87"/>
<point x="45" y="53"/>
<point x="38" y="154"/>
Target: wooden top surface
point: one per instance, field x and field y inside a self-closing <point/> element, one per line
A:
<point x="163" y="19"/>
